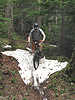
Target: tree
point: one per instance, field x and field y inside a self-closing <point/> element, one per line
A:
<point x="49" y="11"/>
<point x="70" y="69"/>
<point x="39" y="18"/>
<point x="22" y="24"/>
<point x="69" y="36"/>
<point x="9" y="14"/>
<point x="3" y="20"/>
<point x="62" y="26"/>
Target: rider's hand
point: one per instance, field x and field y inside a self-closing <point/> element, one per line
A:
<point x="39" y="43"/>
<point x="28" y="41"/>
<point x="42" y="40"/>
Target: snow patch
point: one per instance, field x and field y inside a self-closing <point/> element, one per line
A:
<point x="45" y="69"/>
<point x="7" y="46"/>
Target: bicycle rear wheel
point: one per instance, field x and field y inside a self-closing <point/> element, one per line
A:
<point x="36" y="60"/>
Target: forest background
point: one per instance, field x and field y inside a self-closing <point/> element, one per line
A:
<point x="55" y="17"/>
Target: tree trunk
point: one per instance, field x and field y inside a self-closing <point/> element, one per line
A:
<point x="39" y="18"/>
<point x="10" y="15"/>
<point x="62" y="29"/>
<point x="22" y="26"/>
<point x="70" y="70"/>
<point x="49" y="26"/>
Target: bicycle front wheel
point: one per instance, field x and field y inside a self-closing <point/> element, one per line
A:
<point x="36" y="60"/>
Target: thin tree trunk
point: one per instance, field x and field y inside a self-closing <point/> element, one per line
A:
<point x="49" y="26"/>
<point x="39" y="18"/>
<point x="10" y="15"/>
<point x="22" y="26"/>
<point x="62" y="29"/>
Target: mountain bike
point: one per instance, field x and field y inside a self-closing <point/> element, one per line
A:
<point x="36" y="56"/>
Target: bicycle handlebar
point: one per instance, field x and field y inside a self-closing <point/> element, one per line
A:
<point x="36" y="42"/>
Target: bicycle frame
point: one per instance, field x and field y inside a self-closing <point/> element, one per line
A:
<point x="36" y="47"/>
<point x="36" y="56"/>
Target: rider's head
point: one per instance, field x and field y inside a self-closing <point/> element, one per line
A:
<point x="36" y="26"/>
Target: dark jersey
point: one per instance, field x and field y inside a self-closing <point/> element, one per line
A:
<point x="36" y="34"/>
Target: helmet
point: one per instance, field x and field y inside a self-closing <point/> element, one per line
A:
<point x="36" y="26"/>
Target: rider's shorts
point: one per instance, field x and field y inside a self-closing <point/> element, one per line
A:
<point x="33" y="44"/>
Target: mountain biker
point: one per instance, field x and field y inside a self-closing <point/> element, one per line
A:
<point x="36" y="33"/>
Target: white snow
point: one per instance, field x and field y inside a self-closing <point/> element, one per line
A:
<point x="7" y="46"/>
<point x="45" y="69"/>
<point x="53" y="45"/>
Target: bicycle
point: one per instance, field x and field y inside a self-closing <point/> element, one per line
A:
<point x="36" y="56"/>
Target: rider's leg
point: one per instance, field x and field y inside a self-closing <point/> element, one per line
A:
<point x="33" y="51"/>
<point x="40" y="47"/>
<point x="33" y="47"/>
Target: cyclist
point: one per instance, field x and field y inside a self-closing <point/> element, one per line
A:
<point x="36" y="33"/>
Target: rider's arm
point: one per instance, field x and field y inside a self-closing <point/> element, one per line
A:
<point x="29" y="39"/>
<point x="30" y="35"/>
<point x="44" y="36"/>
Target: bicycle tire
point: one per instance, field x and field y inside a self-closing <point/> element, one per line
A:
<point x="36" y="61"/>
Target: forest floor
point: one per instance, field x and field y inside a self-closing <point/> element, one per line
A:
<point x="57" y="87"/>
<point x="12" y="87"/>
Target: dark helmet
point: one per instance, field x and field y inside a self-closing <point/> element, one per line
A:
<point x="36" y="26"/>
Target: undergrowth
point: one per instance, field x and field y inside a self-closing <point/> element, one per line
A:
<point x="54" y="53"/>
<point x="58" y="87"/>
